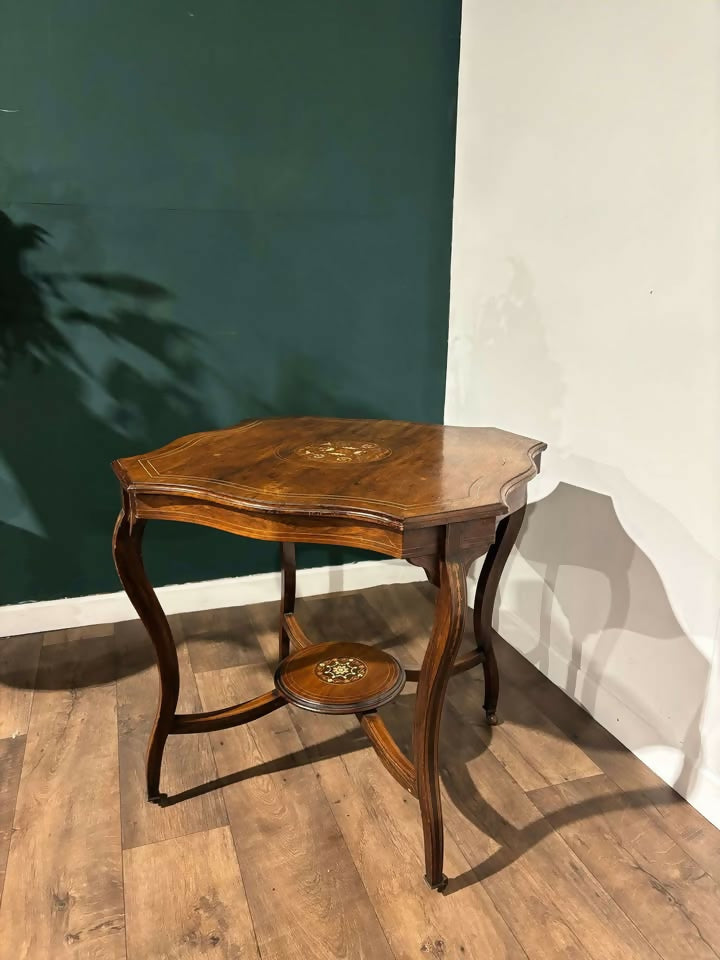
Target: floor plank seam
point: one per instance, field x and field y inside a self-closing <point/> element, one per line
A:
<point x="550" y="857"/>
<point x="120" y="830"/>
<point x="651" y="806"/>
<point x="12" y="825"/>
<point x="330" y="806"/>
<point x="599" y="882"/>
<point x="260" y="953"/>
<point x="16" y="734"/>
<point x="229" y="820"/>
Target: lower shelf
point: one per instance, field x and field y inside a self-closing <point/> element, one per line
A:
<point x="339" y="678"/>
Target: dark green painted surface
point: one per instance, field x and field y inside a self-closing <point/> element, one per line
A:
<point x="247" y="212"/>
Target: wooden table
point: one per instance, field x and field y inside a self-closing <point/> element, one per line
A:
<point x="436" y="496"/>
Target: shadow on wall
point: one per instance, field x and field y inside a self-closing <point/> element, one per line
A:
<point x="509" y="325"/>
<point x="600" y="605"/>
<point x="90" y="365"/>
<point x="594" y="613"/>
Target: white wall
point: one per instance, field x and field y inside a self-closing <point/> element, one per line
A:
<point x="584" y="311"/>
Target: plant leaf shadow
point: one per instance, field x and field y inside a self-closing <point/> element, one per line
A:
<point x="91" y="364"/>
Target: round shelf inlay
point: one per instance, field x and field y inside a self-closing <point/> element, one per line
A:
<point x="341" y="670"/>
<point x="339" y="678"/>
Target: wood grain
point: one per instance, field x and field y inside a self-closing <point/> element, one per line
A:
<point x="63" y="893"/>
<point x="293" y="467"/>
<point x="506" y="534"/>
<point x="427" y="492"/>
<point x="185" y="900"/>
<point x="380" y="677"/>
<point x="188" y="760"/>
<point x="551" y="903"/>
<point x="220" y="638"/>
<point x="305" y="894"/>
<point x="442" y="649"/>
<point x="18" y="667"/>
<point x="11" y="759"/>
<point x="688" y="828"/>
<point x="667" y="895"/>
<point x="87" y="632"/>
<point x="548" y="898"/>
<point x="530" y="747"/>
<point x="381" y="825"/>
<point x="127" y="554"/>
<point x="533" y="750"/>
<point x="611" y="866"/>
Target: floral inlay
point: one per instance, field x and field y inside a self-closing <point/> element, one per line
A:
<point x="341" y="670"/>
<point x="338" y="451"/>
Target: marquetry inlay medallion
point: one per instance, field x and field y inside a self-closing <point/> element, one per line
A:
<point x="340" y="451"/>
<point x="341" y="670"/>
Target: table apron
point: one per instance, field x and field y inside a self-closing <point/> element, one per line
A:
<point x="416" y="542"/>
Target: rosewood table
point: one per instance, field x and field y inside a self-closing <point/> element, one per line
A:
<point x="436" y="496"/>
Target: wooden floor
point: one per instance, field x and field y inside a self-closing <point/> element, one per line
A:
<point x="287" y="838"/>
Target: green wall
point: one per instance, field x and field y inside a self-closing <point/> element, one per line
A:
<point x="210" y="211"/>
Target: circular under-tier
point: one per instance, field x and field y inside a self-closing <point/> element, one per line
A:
<point x="339" y="678"/>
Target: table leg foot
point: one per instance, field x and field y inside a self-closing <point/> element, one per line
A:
<point x="492" y="678"/>
<point x="438" y="885"/>
<point x="158" y="798"/>
<point x="156" y="748"/>
<point x="491" y="718"/>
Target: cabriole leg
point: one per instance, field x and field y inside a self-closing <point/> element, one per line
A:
<point x="487" y="587"/>
<point x="432" y="684"/>
<point x="127" y="552"/>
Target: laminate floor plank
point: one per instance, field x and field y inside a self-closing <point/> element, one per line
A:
<point x="532" y="749"/>
<point x="185" y="900"/>
<point x="87" y="632"/>
<point x="221" y="638"/>
<point x="297" y="843"/>
<point x="305" y="894"/>
<point x="549" y="900"/>
<point x="18" y="670"/>
<point x="188" y="760"/>
<point x="546" y="894"/>
<point x="685" y="825"/>
<point x="670" y="898"/>
<point x="63" y="894"/>
<point x="12" y="751"/>
<point x="382" y="828"/>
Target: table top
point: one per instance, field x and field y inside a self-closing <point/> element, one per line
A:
<point x="403" y="474"/>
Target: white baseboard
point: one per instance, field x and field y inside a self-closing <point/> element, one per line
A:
<point x="46" y="615"/>
<point x="699" y="785"/>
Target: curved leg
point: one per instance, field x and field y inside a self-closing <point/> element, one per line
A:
<point x="127" y="552"/>
<point x="434" y="674"/>
<point x="287" y="594"/>
<point x="487" y="587"/>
